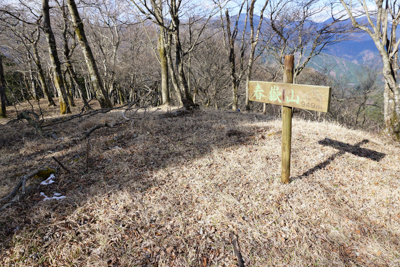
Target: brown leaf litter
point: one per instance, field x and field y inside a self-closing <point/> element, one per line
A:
<point x="169" y="190"/>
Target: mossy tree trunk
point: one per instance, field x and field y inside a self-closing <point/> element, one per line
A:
<point x="101" y="93"/>
<point x="55" y="62"/>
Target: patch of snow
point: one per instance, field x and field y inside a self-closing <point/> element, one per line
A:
<point x="48" y="180"/>
<point x="56" y="196"/>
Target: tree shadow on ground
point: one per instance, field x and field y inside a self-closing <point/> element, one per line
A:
<point x="126" y="158"/>
<point x="150" y="144"/>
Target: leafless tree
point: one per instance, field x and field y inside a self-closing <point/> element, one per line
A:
<point x="230" y="41"/>
<point x="381" y="24"/>
<point x="28" y="34"/>
<point x="153" y="10"/>
<point x="55" y="62"/>
<point x="253" y="43"/>
<point x="297" y="33"/>
<point x="101" y="93"/>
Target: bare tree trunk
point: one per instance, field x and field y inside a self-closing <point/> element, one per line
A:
<point x="98" y="87"/>
<point x="68" y="89"/>
<point x="164" y="67"/>
<point x="42" y="77"/>
<point x="229" y="42"/>
<point x="388" y="47"/>
<point x="234" y="96"/>
<point x="172" y="72"/>
<point x="3" y="101"/>
<point x="254" y="42"/>
<point x="32" y="80"/>
<point x="391" y="96"/>
<point x="74" y="79"/>
<point x="386" y="107"/>
<point x="55" y="62"/>
<point x="232" y="63"/>
<point x="183" y="87"/>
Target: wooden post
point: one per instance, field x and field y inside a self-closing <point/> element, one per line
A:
<point x="287" y="122"/>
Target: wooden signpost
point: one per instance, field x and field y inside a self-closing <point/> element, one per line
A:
<point x="289" y="96"/>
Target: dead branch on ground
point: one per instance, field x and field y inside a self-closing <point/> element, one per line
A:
<point x="40" y="124"/>
<point x="236" y="248"/>
<point x="42" y="173"/>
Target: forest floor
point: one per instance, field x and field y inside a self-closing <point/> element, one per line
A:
<point x="170" y="190"/>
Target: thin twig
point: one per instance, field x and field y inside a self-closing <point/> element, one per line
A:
<point x="62" y="165"/>
<point x="87" y="154"/>
<point x="236" y="248"/>
<point x="88" y="133"/>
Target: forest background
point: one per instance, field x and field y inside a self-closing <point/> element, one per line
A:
<point x="187" y="53"/>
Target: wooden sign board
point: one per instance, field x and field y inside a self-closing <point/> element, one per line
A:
<point x="309" y="97"/>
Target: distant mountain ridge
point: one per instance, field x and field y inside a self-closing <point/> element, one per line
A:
<point x="344" y="60"/>
<point x="359" y="49"/>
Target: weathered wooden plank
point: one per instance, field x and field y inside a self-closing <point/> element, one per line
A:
<point x="309" y="97"/>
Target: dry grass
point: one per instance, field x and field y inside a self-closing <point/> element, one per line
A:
<point x="167" y="191"/>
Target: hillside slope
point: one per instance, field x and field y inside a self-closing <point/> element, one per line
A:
<point x="339" y="68"/>
<point x="170" y="191"/>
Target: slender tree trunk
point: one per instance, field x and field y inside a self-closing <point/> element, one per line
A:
<point x="172" y="72"/>
<point x="33" y="81"/>
<point x="55" y="62"/>
<point x="234" y="96"/>
<point x="68" y="89"/>
<point x="114" y="60"/>
<point x="67" y="55"/>
<point x="74" y="79"/>
<point x="248" y="77"/>
<point x="42" y="77"/>
<point x="101" y="93"/>
<point x="231" y="55"/>
<point x="183" y="87"/>
<point x="164" y="67"/>
<point x="234" y="82"/>
<point x="21" y="86"/>
<point x="253" y="42"/>
<point x="3" y="101"/>
<point x="121" y="96"/>
<point x="88" y="89"/>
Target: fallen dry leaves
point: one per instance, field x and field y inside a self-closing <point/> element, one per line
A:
<point x="167" y="191"/>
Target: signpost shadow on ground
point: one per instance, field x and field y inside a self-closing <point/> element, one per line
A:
<point x="356" y="150"/>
